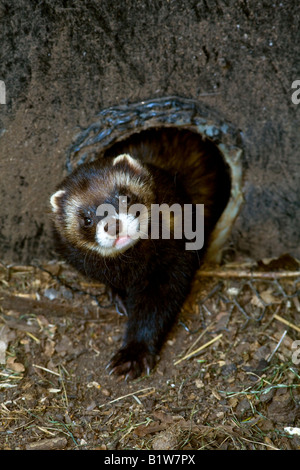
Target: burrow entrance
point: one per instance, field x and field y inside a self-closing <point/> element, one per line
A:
<point x="173" y="125"/>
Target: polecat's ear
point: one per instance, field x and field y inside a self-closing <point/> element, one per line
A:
<point x="126" y="159"/>
<point x="55" y="199"/>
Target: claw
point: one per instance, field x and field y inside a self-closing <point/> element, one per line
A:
<point x="131" y="361"/>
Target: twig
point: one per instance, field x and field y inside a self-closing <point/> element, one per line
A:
<point x="272" y="447"/>
<point x="64" y="388"/>
<point x="277" y="346"/>
<point x="198" y="339"/>
<point x="199" y="349"/>
<point x="286" y="322"/>
<point x="46" y="370"/>
<point x="125" y="396"/>
<point x="247" y="274"/>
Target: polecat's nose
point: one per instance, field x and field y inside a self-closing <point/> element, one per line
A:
<point x="113" y="227"/>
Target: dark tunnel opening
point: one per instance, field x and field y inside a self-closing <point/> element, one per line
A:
<point x="197" y="163"/>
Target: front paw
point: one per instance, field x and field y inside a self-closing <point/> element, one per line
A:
<point x="132" y="360"/>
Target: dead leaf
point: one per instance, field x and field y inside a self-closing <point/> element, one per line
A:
<point x="268" y="298"/>
<point x="49" y="348"/>
<point x="48" y="444"/>
<point x="142" y="430"/>
<point x="15" y="366"/>
<point x="265" y="297"/>
<point x="163" y="417"/>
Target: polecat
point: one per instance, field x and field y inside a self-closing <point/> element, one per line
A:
<point x="102" y="214"/>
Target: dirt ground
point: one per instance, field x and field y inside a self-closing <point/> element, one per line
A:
<point x="239" y="391"/>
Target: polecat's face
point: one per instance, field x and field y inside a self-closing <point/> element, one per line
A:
<point x="103" y="206"/>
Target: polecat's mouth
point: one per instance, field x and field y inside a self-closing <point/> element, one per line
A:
<point x="123" y="241"/>
<point x="116" y="234"/>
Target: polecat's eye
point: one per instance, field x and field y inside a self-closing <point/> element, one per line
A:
<point x="88" y="221"/>
<point x="86" y="218"/>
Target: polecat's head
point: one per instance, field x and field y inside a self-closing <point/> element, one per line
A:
<point x="104" y="206"/>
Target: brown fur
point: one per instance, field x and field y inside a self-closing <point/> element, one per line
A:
<point x="152" y="278"/>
